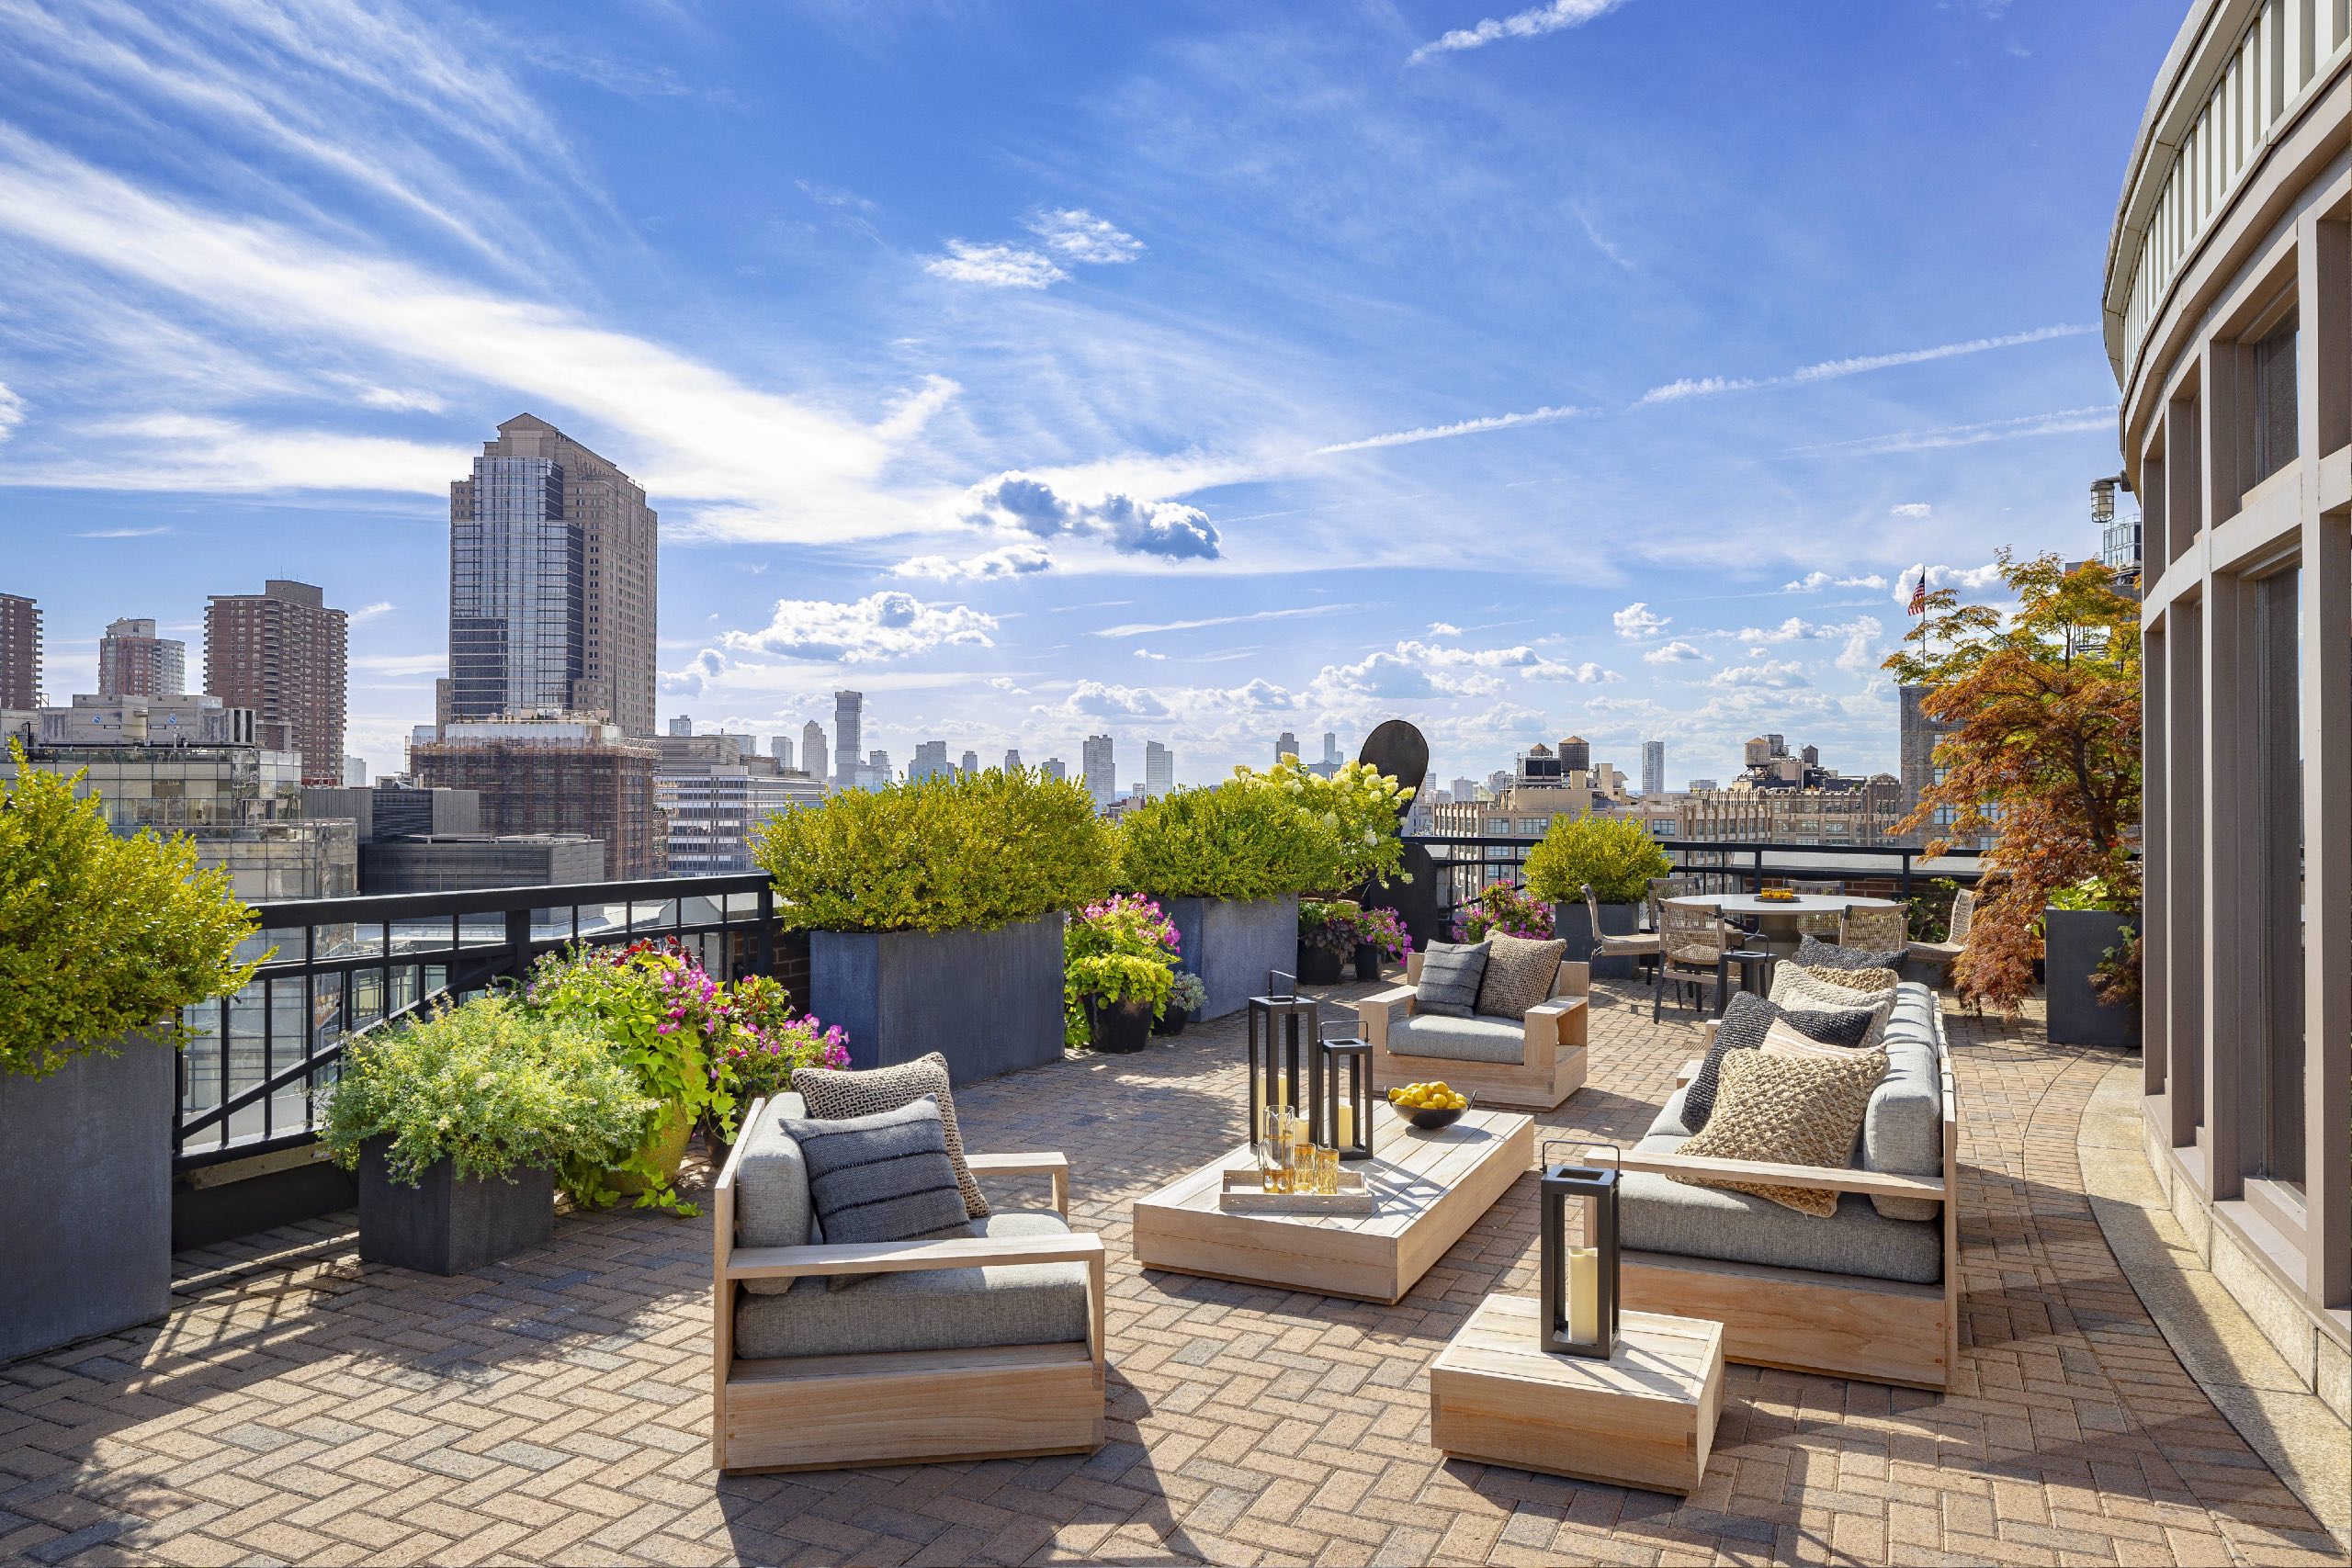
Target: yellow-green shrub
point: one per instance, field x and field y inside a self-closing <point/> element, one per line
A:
<point x="1615" y="854"/>
<point x="1248" y="838"/>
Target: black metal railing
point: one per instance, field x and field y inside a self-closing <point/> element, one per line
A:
<point x="250" y="1082"/>
<point x="1468" y="863"/>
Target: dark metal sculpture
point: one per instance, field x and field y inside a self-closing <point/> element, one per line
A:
<point x="1399" y="751"/>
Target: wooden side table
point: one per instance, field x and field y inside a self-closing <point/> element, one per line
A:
<point x="1645" y="1417"/>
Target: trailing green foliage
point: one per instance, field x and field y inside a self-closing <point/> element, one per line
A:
<point x="981" y="851"/>
<point x="101" y="934"/>
<point x="1122" y="949"/>
<point x="489" y="1088"/>
<point x="1243" y="840"/>
<point x="1614" y="855"/>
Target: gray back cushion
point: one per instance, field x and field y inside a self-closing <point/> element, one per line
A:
<point x="1450" y="976"/>
<point x="881" y="1178"/>
<point x="772" y="1207"/>
<point x="1811" y="953"/>
<point x="1902" y="1131"/>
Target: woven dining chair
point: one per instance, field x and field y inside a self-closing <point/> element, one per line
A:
<point x="1642" y="946"/>
<point x="1875" y="931"/>
<point x="1691" y="945"/>
<point x="1823" y="923"/>
<point x="1963" y="916"/>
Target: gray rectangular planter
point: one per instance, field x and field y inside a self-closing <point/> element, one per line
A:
<point x="1573" y="923"/>
<point x="444" y="1225"/>
<point x="85" y="1236"/>
<point x="1233" y="945"/>
<point x="990" y="1002"/>
<point x="2074" y="940"/>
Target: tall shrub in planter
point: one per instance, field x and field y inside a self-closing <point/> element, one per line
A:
<point x="103" y="942"/>
<point x="1228" y="863"/>
<point x="1615" y="857"/>
<point x="934" y="913"/>
<point x="456" y="1126"/>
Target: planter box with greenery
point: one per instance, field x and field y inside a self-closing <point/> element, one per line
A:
<point x="934" y="913"/>
<point x="2090" y="967"/>
<point x="103" y="942"/>
<point x="457" y="1125"/>
<point x="1615" y="857"/>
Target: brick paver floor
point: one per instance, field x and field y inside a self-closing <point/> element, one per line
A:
<point x="298" y="1407"/>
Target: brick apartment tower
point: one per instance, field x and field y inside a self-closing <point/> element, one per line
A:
<point x="20" y="652"/>
<point x="282" y="652"/>
<point x="552" y="585"/>
<point x="135" y="662"/>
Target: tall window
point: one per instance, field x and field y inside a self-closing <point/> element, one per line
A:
<point x="2274" y="401"/>
<point x="2278" y="691"/>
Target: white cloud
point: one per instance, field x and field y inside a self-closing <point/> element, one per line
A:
<point x="1146" y="653"/>
<point x="1833" y="369"/>
<point x="1813" y="581"/>
<point x="1860" y="655"/>
<point x="1012" y="560"/>
<point x="2061" y="421"/>
<point x="1911" y="509"/>
<point x="1441" y="432"/>
<point x="1145" y="628"/>
<point x="1535" y="22"/>
<point x="368" y="612"/>
<point x="176" y="452"/>
<point x="1796" y="628"/>
<point x="12" y="411"/>
<point x="1968" y="580"/>
<point x="1636" y="620"/>
<point x="1530" y="664"/>
<point x="909" y="412"/>
<point x="124" y="532"/>
<point x="1078" y="235"/>
<point x="880" y="626"/>
<point x="435" y="663"/>
<point x="1443" y="629"/>
<point x="1768" y="676"/>
<point x="1167" y="528"/>
<point x="1675" y="652"/>
<point x="399" y="401"/>
<point x="1093" y="699"/>
<point x="995" y="266"/>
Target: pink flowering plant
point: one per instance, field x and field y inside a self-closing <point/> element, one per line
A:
<point x="1121" y="949"/>
<point x="761" y="1041"/>
<point x="1384" y="928"/>
<point x="1506" y="911"/>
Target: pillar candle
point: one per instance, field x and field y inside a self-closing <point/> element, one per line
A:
<point x="1347" y="1126"/>
<point x="1584" y="1294"/>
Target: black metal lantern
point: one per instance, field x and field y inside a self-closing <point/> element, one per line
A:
<point x="1343" y="1114"/>
<point x="1579" y="1283"/>
<point x="1284" y="1068"/>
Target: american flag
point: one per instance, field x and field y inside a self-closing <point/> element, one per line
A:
<point x="1919" y="594"/>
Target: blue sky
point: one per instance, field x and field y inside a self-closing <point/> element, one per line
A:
<point x="1190" y="371"/>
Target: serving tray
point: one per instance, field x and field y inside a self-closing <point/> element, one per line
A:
<point x="1244" y="1193"/>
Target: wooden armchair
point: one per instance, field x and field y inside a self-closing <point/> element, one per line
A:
<point x="1533" y="1063"/>
<point x="897" y="1406"/>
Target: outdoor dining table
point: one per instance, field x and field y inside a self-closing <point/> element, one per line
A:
<point x="1776" y="920"/>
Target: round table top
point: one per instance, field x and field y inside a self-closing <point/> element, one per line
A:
<point x="1803" y="903"/>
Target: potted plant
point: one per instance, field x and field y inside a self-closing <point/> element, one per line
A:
<point x="1228" y="863"/>
<point x="1185" y="993"/>
<point x="759" y="1041"/>
<point x="2043" y="703"/>
<point x="456" y="1125"/>
<point x="662" y="1016"/>
<point x="1119" y="968"/>
<point x="2090" y="938"/>
<point x="1502" y="908"/>
<point x="1381" y="937"/>
<point x="104" y="940"/>
<point x="1327" y="938"/>
<point x="1614" y="856"/>
<point x="934" y="911"/>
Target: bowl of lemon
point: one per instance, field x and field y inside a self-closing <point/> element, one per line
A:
<point x="1429" y="1106"/>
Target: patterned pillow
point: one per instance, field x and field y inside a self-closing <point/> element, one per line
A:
<point x="1794" y="986"/>
<point x="1864" y="980"/>
<point x="1450" y="975"/>
<point x="1746" y="1019"/>
<point x="834" y="1094"/>
<point x="1812" y="951"/>
<point x="1789" y="1110"/>
<point x="1520" y="972"/>
<point x="1786" y="1040"/>
<point x="881" y="1178"/>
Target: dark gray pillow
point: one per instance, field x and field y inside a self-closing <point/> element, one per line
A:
<point x="881" y="1178"/>
<point x="1450" y="975"/>
<point x="1812" y="950"/>
<point x="1742" y="1028"/>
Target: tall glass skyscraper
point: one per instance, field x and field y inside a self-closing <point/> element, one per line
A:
<point x="849" y="734"/>
<point x="517" y="590"/>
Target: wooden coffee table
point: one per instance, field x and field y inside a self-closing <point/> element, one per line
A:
<point x="1431" y="1188"/>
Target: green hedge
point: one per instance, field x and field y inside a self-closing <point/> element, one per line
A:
<point x="1616" y="855"/>
<point x="980" y="851"/>
<point x="1244" y="838"/>
<point x="101" y="934"/>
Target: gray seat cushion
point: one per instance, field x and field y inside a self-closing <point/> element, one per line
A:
<point x="1450" y="976"/>
<point x="1902" y="1131"/>
<point x="930" y="1309"/>
<point x="1474" y="1039"/>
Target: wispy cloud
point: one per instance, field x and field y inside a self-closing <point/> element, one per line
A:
<point x="1833" y="369"/>
<point x="1440" y="432"/>
<point x="1012" y="560"/>
<point x="1911" y="509"/>
<point x="12" y="411"/>
<point x="125" y="532"/>
<point x="1811" y="581"/>
<point x="380" y="607"/>
<point x="1535" y="22"/>
<point x="1078" y="235"/>
<point x="2061" y="421"/>
<point x="995" y="266"/>
<point x="1297" y="613"/>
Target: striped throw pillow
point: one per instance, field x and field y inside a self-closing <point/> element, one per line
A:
<point x="881" y="1178"/>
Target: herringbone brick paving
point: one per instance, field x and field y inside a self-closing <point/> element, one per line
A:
<point x="298" y="1407"/>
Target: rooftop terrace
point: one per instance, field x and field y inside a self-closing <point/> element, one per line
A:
<point x="298" y="1406"/>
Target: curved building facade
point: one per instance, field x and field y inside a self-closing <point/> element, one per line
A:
<point x="2228" y="317"/>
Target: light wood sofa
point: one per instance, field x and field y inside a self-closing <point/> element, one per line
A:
<point x="851" y="1406"/>
<point x="1531" y="1063"/>
<point x="1844" y="1324"/>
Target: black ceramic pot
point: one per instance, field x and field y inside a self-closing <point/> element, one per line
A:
<point x="1367" y="962"/>
<point x="1318" y="965"/>
<point x="1120" y="1027"/>
<point x="1172" y="1022"/>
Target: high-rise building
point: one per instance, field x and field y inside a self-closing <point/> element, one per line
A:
<point x="849" y="735"/>
<point x="1100" y="770"/>
<point x="19" y="653"/>
<point x="572" y="774"/>
<point x="354" y="773"/>
<point x="780" y="748"/>
<point x="931" y="760"/>
<point x="1054" y="770"/>
<point x="876" y="772"/>
<point x="971" y="763"/>
<point x="281" y="652"/>
<point x="813" y="757"/>
<point x="553" y="556"/>
<point x="1916" y="741"/>
<point x="1011" y="760"/>
<point x="681" y="725"/>
<point x="1158" y="770"/>
<point x="135" y="662"/>
<point x="1698" y="786"/>
<point x="1285" y="745"/>
<point x="715" y="800"/>
<point x="1653" y="767"/>
<point x="1575" y="755"/>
